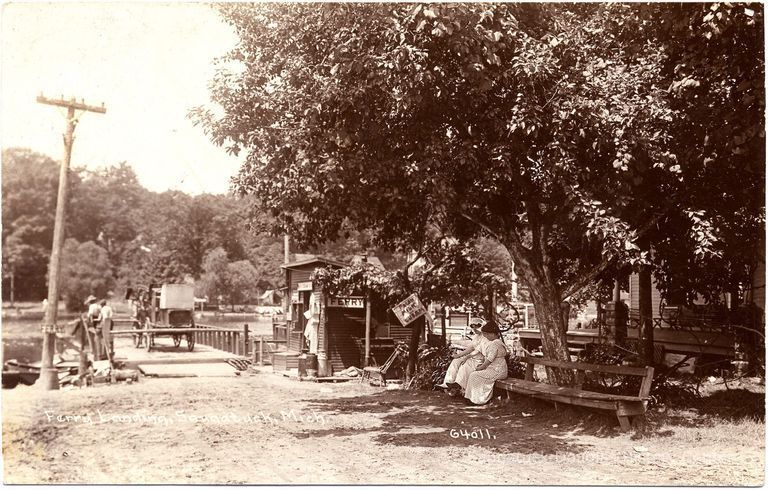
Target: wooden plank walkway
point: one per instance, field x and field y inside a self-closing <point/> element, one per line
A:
<point x="202" y="369"/>
<point x="163" y="352"/>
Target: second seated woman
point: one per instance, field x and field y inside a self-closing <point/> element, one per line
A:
<point x="480" y="383"/>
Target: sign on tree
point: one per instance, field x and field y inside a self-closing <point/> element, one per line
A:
<point x="409" y="309"/>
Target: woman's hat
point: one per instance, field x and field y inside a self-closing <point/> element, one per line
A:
<point x="477" y="324"/>
<point x="90" y="299"/>
<point x="491" y="327"/>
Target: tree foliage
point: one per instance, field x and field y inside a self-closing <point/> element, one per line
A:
<point x="85" y="270"/>
<point x="234" y="282"/>
<point x="30" y="182"/>
<point x="243" y="287"/>
<point x="148" y="237"/>
<point x="717" y="89"/>
<point x="456" y="275"/>
<point x="563" y="131"/>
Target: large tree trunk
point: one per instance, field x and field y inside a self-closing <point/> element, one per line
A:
<point x="417" y="328"/>
<point x="553" y="327"/>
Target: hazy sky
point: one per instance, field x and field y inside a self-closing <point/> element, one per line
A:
<point x="149" y="63"/>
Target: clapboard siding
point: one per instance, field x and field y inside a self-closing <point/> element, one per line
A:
<point x="533" y="322"/>
<point x="399" y="332"/>
<point x="634" y="287"/>
<point x="396" y="330"/>
<point x="298" y="276"/>
<point x="344" y="325"/>
<point x="295" y="335"/>
<point x="634" y="295"/>
<point x="322" y="326"/>
<point x="285" y="361"/>
<point x="295" y="341"/>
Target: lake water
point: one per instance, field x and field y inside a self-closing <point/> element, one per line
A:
<point x="23" y="340"/>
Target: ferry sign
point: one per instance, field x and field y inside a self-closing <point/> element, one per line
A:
<point x="346" y="302"/>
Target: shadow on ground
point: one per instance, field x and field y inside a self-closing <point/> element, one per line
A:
<point x="733" y="404"/>
<point x="729" y="405"/>
<point x="516" y="424"/>
<point x="169" y="348"/>
<point x="433" y="419"/>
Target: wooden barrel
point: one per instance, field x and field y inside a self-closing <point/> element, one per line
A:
<point x="311" y="365"/>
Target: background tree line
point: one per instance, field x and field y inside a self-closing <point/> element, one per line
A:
<point x="121" y="234"/>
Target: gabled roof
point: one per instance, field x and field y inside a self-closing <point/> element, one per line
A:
<point x="314" y="259"/>
<point x="371" y="259"/>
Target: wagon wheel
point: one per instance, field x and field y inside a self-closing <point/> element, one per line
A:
<point x="176" y="340"/>
<point x="190" y="341"/>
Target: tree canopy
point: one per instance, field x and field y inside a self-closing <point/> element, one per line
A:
<point x="564" y="131"/>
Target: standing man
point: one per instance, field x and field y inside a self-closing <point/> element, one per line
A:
<point x="105" y="318"/>
<point x="94" y="310"/>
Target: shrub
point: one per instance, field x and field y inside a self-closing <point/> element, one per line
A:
<point x="431" y="366"/>
<point x="516" y="368"/>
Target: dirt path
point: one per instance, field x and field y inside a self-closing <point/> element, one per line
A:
<point x="268" y="429"/>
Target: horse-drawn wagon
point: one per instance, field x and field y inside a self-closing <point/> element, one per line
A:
<point x="168" y="311"/>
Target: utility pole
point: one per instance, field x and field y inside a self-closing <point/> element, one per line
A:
<point x="367" y="361"/>
<point x="49" y="378"/>
<point x="286" y="248"/>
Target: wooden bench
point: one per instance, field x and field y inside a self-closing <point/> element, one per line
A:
<point x="630" y="410"/>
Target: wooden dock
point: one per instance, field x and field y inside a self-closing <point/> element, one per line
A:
<point x="163" y="352"/>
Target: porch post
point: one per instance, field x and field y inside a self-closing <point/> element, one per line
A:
<point x="367" y="330"/>
<point x="620" y="315"/>
<point x="323" y="363"/>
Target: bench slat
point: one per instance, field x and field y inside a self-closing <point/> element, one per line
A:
<point x="584" y="402"/>
<point x="625" y="370"/>
<point x="512" y="384"/>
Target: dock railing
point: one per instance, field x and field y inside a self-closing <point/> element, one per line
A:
<point x="263" y="349"/>
<point x="237" y="341"/>
<point x="233" y="340"/>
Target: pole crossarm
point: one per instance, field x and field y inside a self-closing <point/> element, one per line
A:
<point x="73" y="103"/>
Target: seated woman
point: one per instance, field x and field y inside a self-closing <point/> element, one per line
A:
<point x="479" y="386"/>
<point x="469" y="356"/>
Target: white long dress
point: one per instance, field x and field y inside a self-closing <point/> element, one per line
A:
<point x="479" y="387"/>
<point x="459" y="369"/>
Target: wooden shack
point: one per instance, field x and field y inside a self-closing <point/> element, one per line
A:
<point x="340" y="323"/>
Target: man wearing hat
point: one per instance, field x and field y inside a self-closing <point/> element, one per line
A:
<point x="468" y="354"/>
<point x="94" y="337"/>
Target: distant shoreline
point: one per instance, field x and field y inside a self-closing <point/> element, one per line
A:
<point x="12" y="314"/>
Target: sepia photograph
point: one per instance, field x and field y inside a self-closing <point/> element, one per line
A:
<point x="381" y="243"/>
